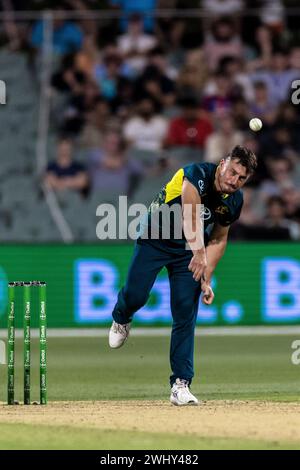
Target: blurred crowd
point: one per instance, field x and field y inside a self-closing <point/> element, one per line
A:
<point x="141" y="95"/>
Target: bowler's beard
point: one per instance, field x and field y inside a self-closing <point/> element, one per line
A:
<point x="228" y="190"/>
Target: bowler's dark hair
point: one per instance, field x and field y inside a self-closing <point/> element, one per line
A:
<point x="245" y="157"/>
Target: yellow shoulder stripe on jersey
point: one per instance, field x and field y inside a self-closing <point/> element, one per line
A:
<point x="174" y="187"/>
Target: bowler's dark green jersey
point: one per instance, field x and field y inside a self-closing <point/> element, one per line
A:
<point x="219" y="208"/>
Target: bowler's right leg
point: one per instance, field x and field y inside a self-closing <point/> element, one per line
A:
<point x="146" y="263"/>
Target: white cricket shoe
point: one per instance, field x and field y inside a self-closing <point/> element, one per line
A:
<point x="181" y="395"/>
<point x="118" y="334"/>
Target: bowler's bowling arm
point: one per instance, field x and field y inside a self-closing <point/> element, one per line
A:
<point x="193" y="228"/>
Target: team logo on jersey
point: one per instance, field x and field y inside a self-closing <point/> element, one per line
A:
<point x="205" y="213"/>
<point x="222" y="210"/>
<point x="225" y="196"/>
<point x="201" y="185"/>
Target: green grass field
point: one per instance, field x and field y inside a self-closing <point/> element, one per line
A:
<point x="84" y="369"/>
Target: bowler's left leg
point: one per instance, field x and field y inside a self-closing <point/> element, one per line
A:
<point x="185" y="293"/>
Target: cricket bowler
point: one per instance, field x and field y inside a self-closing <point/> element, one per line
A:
<point x="190" y="259"/>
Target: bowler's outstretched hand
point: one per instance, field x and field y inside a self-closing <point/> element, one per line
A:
<point x="207" y="293"/>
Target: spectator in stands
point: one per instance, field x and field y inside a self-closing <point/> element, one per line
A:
<point x="259" y="53"/>
<point x="88" y="25"/>
<point x="217" y="8"/>
<point x="133" y="6"/>
<point x="10" y="25"/>
<point x="250" y="217"/>
<point x="89" y="55"/>
<point x="155" y="80"/>
<point x="272" y="15"/>
<point x="252" y="143"/>
<point x="147" y="129"/>
<point x="109" y="168"/>
<point x="289" y="118"/>
<point x="65" y="173"/>
<point x="157" y="58"/>
<point x="291" y="198"/>
<point x="68" y="79"/>
<point x="262" y="106"/>
<point x="110" y="79"/>
<point x="100" y="68"/>
<point x="222" y="42"/>
<point x="280" y="141"/>
<point x="294" y="59"/>
<point x="280" y="175"/>
<point x="275" y="219"/>
<point x="234" y="69"/>
<point x="67" y="35"/>
<point x="241" y="115"/>
<point x="277" y="77"/>
<point x="97" y="122"/>
<point x="190" y="129"/>
<point x="191" y="80"/>
<point x="273" y="225"/>
<point x="218" y="98"/>
<point x="81" y="102"/>
<point x="220" y="142"/>
<point x="135" y="44"/>
<point x="172" y="40"/>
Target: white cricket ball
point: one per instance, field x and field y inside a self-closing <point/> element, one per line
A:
<point x="255" y="124"/>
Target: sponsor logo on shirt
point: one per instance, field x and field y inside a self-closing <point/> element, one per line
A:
<point x="201" y="185"/>
<point x="206" y="213"/>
